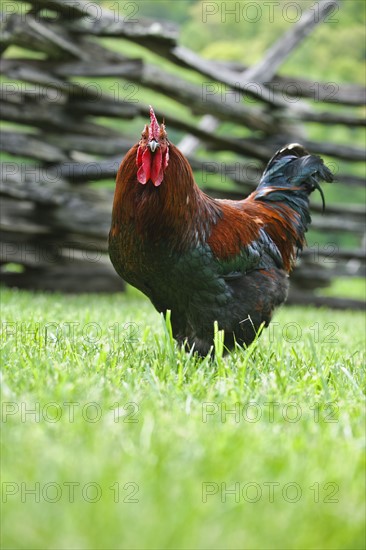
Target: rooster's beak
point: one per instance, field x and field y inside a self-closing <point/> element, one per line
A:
<point x="153" y="144"/>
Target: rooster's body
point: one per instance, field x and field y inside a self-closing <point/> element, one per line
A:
<point x="204" y="259"/>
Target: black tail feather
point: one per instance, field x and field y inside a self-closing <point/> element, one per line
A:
<point x="293" y="167"/>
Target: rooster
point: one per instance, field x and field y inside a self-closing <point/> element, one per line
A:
<point x="206" y="259"/>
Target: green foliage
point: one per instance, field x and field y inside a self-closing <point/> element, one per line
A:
<point x="148" y="434"/>
<point x="243" y="31"/>
<point x="165" y="10"/>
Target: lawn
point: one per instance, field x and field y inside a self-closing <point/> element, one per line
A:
<point x="114" y="438"/>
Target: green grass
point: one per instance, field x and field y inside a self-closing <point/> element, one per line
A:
<point x="128" y="417"/>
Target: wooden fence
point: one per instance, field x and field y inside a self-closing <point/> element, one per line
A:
<point x="55" y="225"/>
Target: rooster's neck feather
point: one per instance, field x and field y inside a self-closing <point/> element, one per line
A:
<point x="177" y="211"/>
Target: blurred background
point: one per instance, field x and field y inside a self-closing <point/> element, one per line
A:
<point x="234" y="82"/>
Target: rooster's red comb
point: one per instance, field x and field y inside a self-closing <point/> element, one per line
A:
<point x="154" y="126"/>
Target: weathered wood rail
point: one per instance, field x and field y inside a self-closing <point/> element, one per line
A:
<point x="57" y="141"/>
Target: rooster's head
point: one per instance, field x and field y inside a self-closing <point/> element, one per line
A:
<point x="153" y="152"/>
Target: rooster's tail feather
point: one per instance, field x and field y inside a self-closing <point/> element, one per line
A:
<point x="292" y="174"/>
